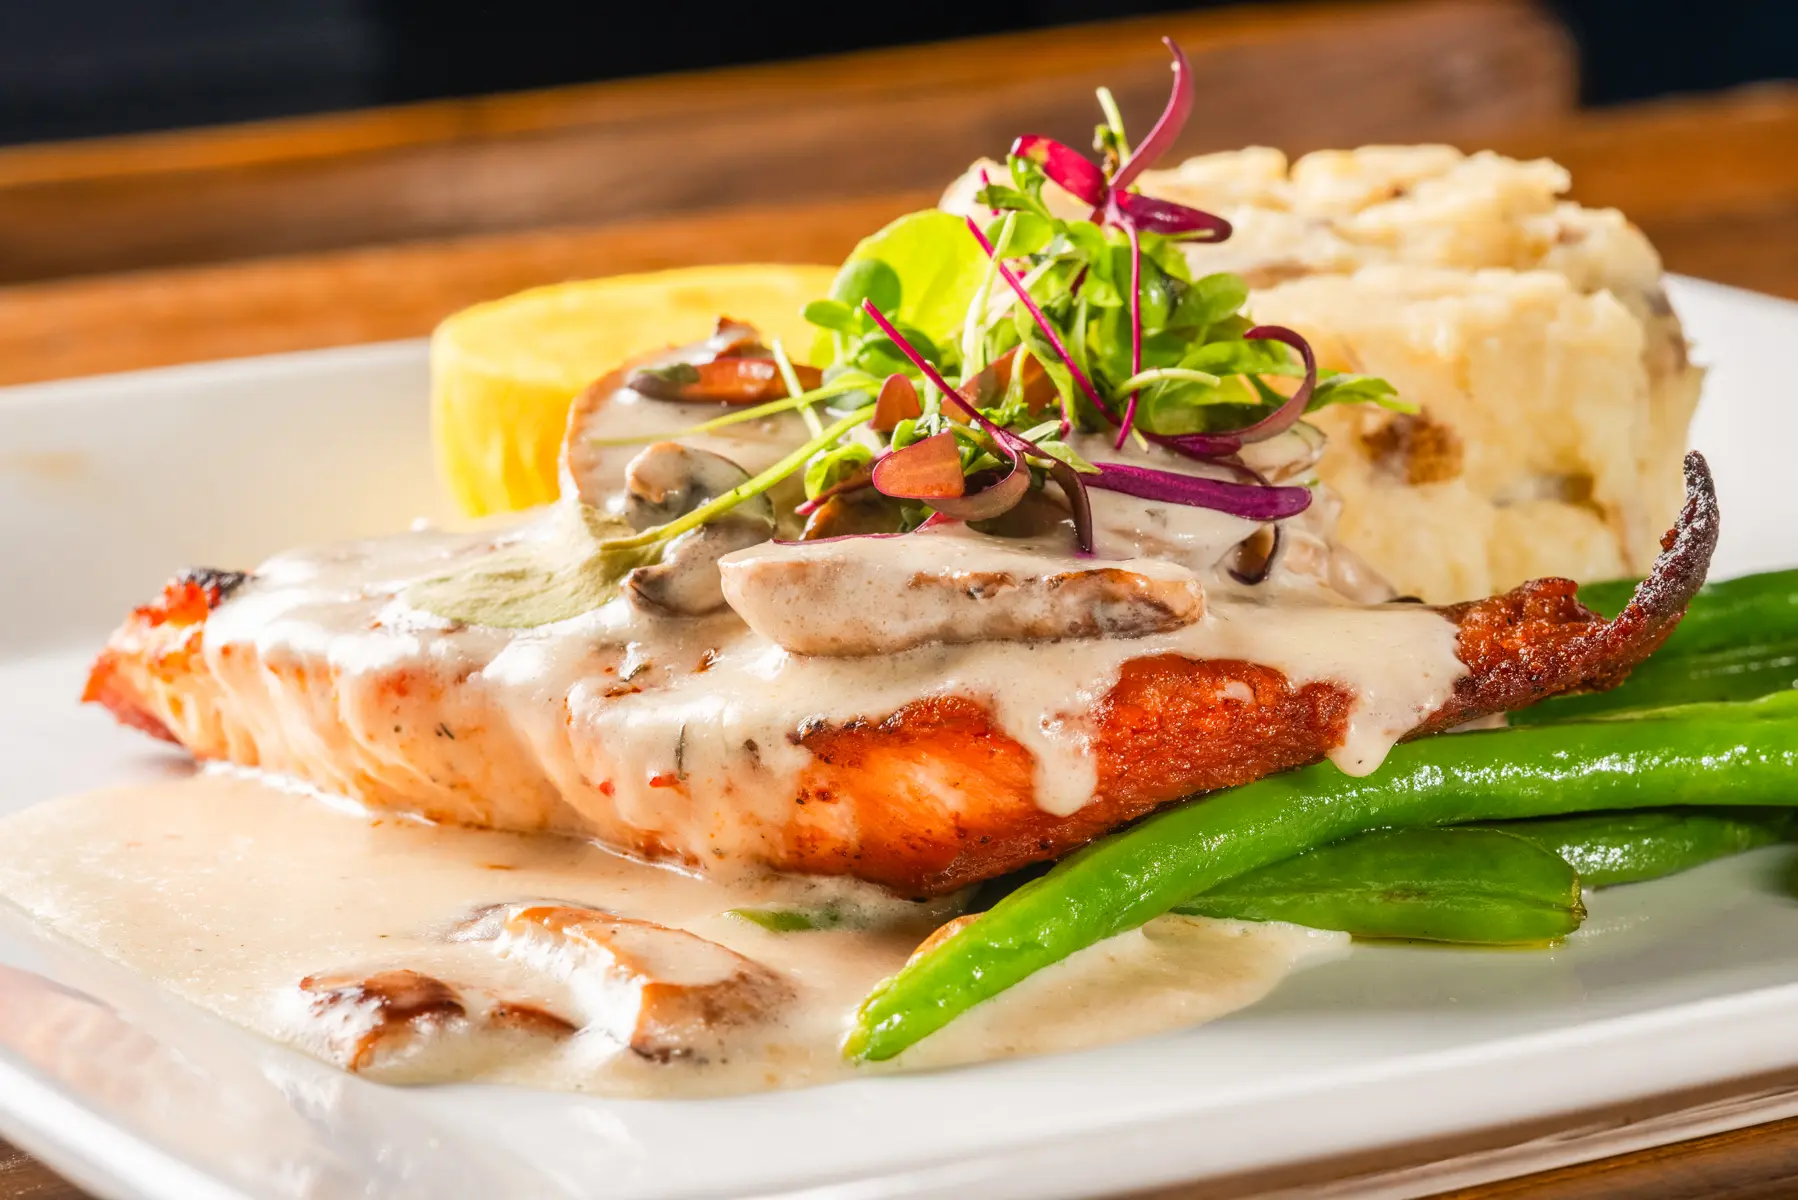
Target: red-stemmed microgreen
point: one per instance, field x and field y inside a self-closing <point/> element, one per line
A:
<point x="1114" y="204"/>
<point x="1009" y="441"/>
<point x="1253" y="502"/>
<point x="1129" y="420"/>
<point x="1168" y="126"/>
<point x="1043" y="323"/>
<point x="1001" y="496"/>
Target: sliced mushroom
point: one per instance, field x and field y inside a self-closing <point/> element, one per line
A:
<point x="405" y="1020"/>
<point x="663" y="992"/>
<point x="667" y="481"/>
<point x="733" y="366"/>
<point x="686" y="582"/>
<point x="880" y="595"/>
<point x="735" y="380"/>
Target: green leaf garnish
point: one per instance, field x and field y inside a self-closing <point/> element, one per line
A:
<point x="788" y="920"/>
<point x="831" y="467"/>
<point x="538" y="581"/>
<point x="1336" y="388"/>
<point x="921" y="270"/>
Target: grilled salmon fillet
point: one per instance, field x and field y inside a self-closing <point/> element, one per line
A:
<point x="923" y="796"/>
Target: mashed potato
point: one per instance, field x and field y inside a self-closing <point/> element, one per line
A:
<point x="1551" y="373"/>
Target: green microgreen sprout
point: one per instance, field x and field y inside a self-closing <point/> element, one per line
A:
<point x="791" y="377"/>
<point x="851" y="381"/>
<point x="755" y="486"/>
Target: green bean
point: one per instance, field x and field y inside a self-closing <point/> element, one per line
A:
<point x="1730" y="754"/>
<point x="1739" y="673"/>
<point x="1629" y="847"/>
<point x="1437" y="885"/>
<point x="1760" y="610"/>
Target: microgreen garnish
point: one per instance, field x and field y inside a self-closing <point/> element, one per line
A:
<point x="1042" y="323"/>
<point x="1106" y="324"/>
<point x="927" y="470"/>
<point x="964" y="400"/>
<point x="898" y="401"/>
<point x="844" y="384"/>
<point x="663" y="534"/>
<point x="790" y="377"/>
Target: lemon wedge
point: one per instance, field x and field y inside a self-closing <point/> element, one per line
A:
<point x="503" y="373"/>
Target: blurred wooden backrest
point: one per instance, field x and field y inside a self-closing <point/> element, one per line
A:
<point x="1300" y="76"/>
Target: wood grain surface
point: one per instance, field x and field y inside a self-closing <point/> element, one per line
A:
<point x="1713" y="180"/>
<point x="1305" y="76"/>
<point x="24" y="1178"/>
<point x="1757" y="1163"/>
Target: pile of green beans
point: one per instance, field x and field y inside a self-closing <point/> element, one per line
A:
<point x="1744" y="754"/>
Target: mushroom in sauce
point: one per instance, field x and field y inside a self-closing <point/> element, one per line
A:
<point x="667" y="481"/>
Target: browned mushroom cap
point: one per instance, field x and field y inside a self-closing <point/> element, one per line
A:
<point x="722" y="381"/>
<point x="363" y="1020"/>
<point x="663" y="992"/>
<point x="666" y="482"/>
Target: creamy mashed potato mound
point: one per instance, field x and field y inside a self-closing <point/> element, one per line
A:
<point x="1551" y="373"/>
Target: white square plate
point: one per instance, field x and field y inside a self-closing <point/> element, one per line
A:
<point x="108" y="484"/>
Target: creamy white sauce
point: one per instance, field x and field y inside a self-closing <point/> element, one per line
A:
<point x="620" y="723"/>
<point x="672" y="736"/>
<point x="614" y="704"/>
<point x="230" y="892"/>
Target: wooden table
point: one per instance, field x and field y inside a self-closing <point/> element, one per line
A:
<point x="1714" y="182"/>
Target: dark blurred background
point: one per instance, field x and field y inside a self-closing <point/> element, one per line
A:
<point x="76" y="68"/>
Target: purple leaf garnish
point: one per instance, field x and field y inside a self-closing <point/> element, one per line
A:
<point x="989" y="502"/>
<point x="1247" y="500"/>
<point x="1133" y="210"/>
<point x="1167" y="128"/>
<point x="1070" y="170"/>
